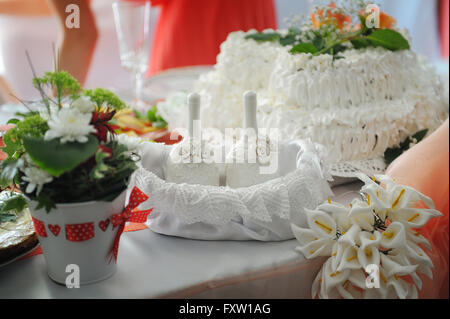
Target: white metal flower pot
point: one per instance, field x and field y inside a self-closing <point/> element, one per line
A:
<point x="91" y="253"/>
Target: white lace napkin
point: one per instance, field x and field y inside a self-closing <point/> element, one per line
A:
<point x="260" y="212"/>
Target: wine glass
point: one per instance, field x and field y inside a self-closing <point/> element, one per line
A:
<point x="132" y="20"/>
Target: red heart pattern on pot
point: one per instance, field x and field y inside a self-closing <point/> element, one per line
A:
<point x="55" y="229"/>
<point x="80" y="232"/>
<point x="39" y="227"/>
<point x="103" y="224"/>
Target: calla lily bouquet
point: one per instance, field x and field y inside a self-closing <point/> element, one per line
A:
<point x="65" y="150"/>
<point x="374" y="240"/>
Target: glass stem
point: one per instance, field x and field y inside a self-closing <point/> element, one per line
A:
<point x="138" y="80"/>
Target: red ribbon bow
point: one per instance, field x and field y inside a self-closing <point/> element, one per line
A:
<point x="128" y="215"/>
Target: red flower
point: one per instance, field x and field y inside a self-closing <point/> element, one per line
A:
<point x="100" y="121"/>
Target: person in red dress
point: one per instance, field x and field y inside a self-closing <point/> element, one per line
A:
<point x="189" y="32"/>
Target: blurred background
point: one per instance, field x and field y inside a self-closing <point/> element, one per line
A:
<point x="34" y="25"/>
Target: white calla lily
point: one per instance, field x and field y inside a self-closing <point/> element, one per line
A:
<point x="381" y="228"/>
<point x="321" y="223"/>
<point x="349" y="259"/>
<point x="312" y="244"/>
<point x="417" y="238"/>
<point x="394" y="236"/>
<point x="393" y="268"/>
<point x="339" y="213"/>
<point x="414" y="217"/>
<point x="331" y="279"/>
<point x="400" y="258"/>
<point x="320" y="247"/>
<point x="369" y="256"/>
<point x="415" y="252"/>
<point x="362" y="214"/>
<point x="351" y="237"/>
<point x="367" y="239"/>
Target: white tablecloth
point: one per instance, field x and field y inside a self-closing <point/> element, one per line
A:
<point x="152" y="265"/>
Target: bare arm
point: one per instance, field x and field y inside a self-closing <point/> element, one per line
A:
<point x="5" y="91"/>
<point x="25" y="7"/>
<point x="78" y="44"/>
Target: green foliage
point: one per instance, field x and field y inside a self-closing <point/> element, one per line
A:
<point x="155" y="118"/>
<point x="45" y="201"/>
<point x="264" y="37"/>
<point x="63" y="82"/>
<point x="9" y="207"/>
<point x="304" y="48"/>
<point x="79" y="185"/>
<point x="33" y="126"/>
<point x="329" y="40"/>
<point x="9" y="169"/>
<point x="152" y="116"/>
<point x="392" y="153"/>
<point x="105" y="97"/>
<point x="57" y="158"/>
<point x="100" y="168"/>
<point x="388" y="39"/>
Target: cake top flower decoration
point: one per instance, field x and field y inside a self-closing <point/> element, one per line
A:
<point x="332" y="29"/>
<point x="374" y="240"/>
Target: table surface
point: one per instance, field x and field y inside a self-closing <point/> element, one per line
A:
<point x="152" y="265"/>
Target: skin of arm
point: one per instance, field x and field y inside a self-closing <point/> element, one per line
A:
<point x="78" y="44"/>
<point x="25" y="7"/>
<point x="5" y="91"/>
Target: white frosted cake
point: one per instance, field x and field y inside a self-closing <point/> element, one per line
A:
<point x="357" y="102"/>
<point x="357" y="106"/>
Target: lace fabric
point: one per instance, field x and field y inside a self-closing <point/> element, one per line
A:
<point x="272" y="204"/>
<point x="350" y="169"/>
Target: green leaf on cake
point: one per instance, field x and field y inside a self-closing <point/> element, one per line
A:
<point x="419" y="136"/>
<point x="291" y="37"/>
<point x="263" y="37"/>
<point x="392" y="153"/>
<point x="7" y="217"/>
<point x="57" y="158"/>
<point x="9" y="207"/>
<point x="304" y="48"/>
<point x="9" y="170"/>
<point x="16" y="203"/>
<point x="388" y="39"/>
<point x="361" y="43"/>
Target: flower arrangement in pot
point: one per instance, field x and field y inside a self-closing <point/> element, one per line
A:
<point x="65" y="158"/>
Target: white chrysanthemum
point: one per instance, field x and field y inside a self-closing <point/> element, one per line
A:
<point x="70" y="125"/>
<point x="84" y="104"/>
<point x="36" y="178"/>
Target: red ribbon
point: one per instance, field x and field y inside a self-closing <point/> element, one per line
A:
<point x="129" y="214"/>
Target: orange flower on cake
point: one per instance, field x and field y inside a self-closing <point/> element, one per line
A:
<point x="330" y="15"/>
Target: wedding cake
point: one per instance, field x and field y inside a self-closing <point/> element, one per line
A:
<point x="358" y="98"/>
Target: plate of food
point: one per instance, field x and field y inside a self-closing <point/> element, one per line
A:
<point x="17" y="235"/>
